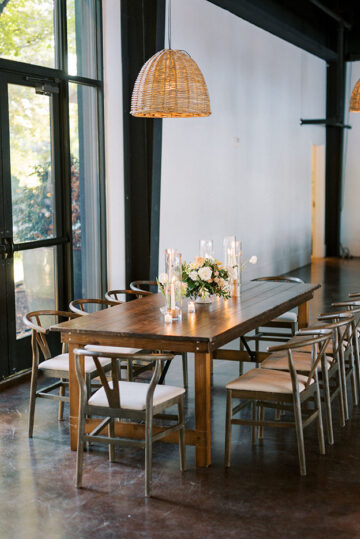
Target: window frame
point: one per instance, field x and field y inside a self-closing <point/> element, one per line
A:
<point x="62" y="78"/>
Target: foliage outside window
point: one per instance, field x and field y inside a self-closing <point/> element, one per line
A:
<point x="27" y="31"/>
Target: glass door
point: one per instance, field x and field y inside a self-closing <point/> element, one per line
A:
<point x="32" y="239"/>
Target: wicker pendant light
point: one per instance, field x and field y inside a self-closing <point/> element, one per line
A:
<point x="170" y="85"/>
<point x="355" y="98"/>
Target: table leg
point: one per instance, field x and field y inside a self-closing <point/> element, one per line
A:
<point x="74" y="398"/>
<point x="303" y="314"/>
<point x="203" y="408"/>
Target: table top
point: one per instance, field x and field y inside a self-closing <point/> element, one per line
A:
<point x="214" y="324"/>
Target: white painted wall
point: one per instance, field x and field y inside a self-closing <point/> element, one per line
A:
<point x="245" y="170"/>
<point x="350" y="216"/>
<point x="114" y="158"/>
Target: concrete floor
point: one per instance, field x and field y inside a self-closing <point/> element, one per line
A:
<point x="261" y="495"/>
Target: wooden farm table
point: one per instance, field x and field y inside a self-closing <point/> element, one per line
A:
<point x="139" y="324"/>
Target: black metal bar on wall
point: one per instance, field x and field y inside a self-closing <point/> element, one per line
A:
<point x="335" y="103"/>
<point x="142" y="34"/>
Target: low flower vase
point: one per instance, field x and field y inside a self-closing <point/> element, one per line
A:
<point x="205" y="300"/>
<point x="176" y="313"/>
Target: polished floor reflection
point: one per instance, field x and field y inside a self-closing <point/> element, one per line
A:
<point x="262" y="495"/>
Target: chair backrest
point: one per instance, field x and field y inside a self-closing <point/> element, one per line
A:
<point x="346" y="334"/>
<point x="38" y="322"/>
<point x="137" y="286"/>
<point x="111" y="388"/>
<point x="340" y="329"/>
<point x="318" y="346"/>
<point x="354" y="307"/>
<point x="79" y="306"/>
<point x="354" y="295"/>
<point x="117" y="295"/>
<point x="280" y="279"/>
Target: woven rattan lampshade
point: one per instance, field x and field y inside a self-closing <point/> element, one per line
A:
<point x="170" y="85"/>
<point x="355" y="98"/>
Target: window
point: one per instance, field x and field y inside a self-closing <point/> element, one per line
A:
<point x="27" y="31"/>
<point x="84" y="144"/>
<point x="51" y="178"/>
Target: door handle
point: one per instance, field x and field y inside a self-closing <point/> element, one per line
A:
<point x="7" y="247"/>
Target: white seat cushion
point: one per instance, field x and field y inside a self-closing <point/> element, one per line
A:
<point x="289" y="316"/>
<point x="266" y="380"/>
<point x="111" y="349"/>
<point x="133" y="395"/>
<point x="61" y="363"/>
<point x="302" y="361"/>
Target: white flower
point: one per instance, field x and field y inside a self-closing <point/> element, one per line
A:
<point x="205" y="273"/>
<point x="193" y="275"/>
<point x="163" y="278"/>
<point x="253" y="260"/>
<point x="232" y="271"/>
<point x="226" y="287"/>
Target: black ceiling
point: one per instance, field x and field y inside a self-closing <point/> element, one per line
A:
<point x="310" y="24"/>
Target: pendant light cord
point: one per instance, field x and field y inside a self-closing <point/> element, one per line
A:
<point x="169" y="23"/>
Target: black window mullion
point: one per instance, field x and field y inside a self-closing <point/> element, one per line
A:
<point x="5" y="228"/>
<point x="102" y="190"/>
<point x="63" y="35"/>
<point x="99" y="40"/>
<point x="66" y="209"/>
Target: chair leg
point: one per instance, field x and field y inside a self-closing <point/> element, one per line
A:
<point x="228" y="428"/>
<point x="241" y="363"/>
<point x="148" y="453"/>
<point x="341" y="397"/>
<point x="327" y="399"/>
<point x="357" y="359"/>
<point x="262" y="417"/>
<point x="80" y="450"/>
<point x="254" y="428"/>
<point x="353" y="378"/>
<point x="111" y="434"/>
<point x="33" y="388"/>
<point x="185" y="369"/>
<point x="61" y="403"/>
<point x="182" y="447"/>
<point x="257" y="342"/>
<point x="299" y="434"/>
<point x="88" y="386"/>
<point x="344" y="389"/>
<point x="277" y="412"/>
<point x="320" y="422"/>
<point x="129" y="371"/>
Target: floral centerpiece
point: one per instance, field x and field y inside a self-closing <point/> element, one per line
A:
<point x="205" y="277"/>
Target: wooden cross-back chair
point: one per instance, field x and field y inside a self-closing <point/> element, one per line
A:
<point x="354" y="306"/>
<point x="51" y="366"/>
<point x="287" y="321"/>
<point x="265" y="388"/>
<point x="330" y="374"/>
<point x="349" y="360"/>
<point x="136" y="287"/>
<point x="120" y="295"/>
<point x="128" y="400"/>
<point x="79" y="306"/>
<point x="133" y="368"/>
